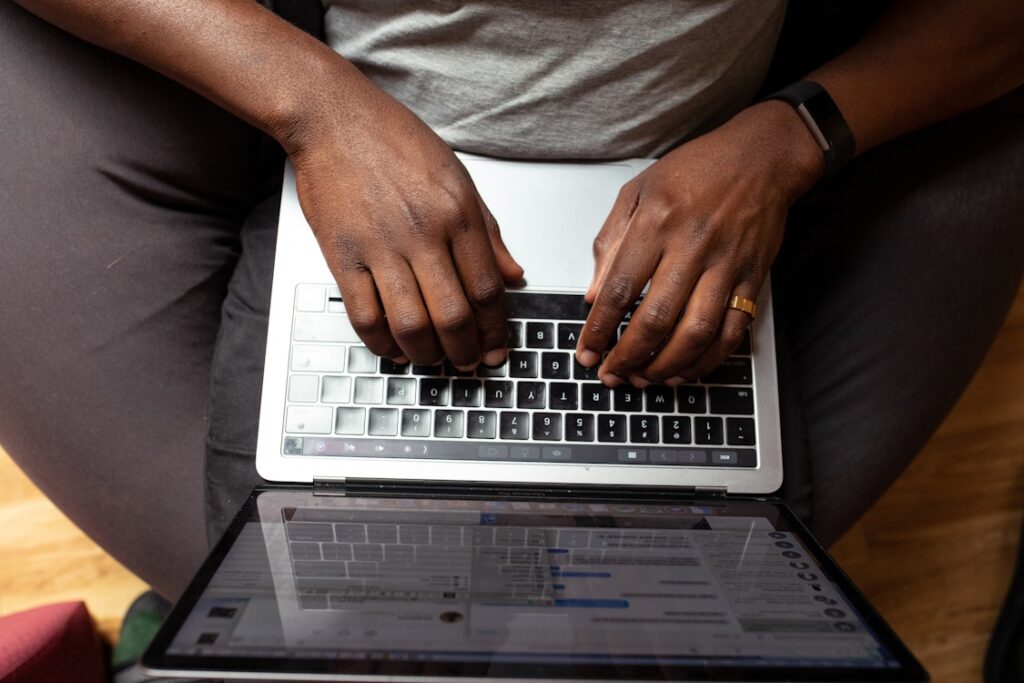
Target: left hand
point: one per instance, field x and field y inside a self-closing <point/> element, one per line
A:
<point x="702" y="224"/>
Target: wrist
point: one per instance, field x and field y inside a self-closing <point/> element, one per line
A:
<point x="790" y="151"/>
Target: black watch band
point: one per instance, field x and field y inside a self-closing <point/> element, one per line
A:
<point x="823" y="118"/>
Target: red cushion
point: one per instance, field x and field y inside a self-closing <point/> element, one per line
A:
<point x="54" y="643"/>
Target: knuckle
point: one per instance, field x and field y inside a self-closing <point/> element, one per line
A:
<point x="364" y="321"/>
<point x="454" y="320"/>
<point x="408" y="325"/>
<point x="655" y="316"/>
<point x="487" y="292"/>
<point x="700" y="331"/>
<point x="619" y="291"/>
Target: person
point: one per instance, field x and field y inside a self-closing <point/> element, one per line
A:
<point x="138" y="215"/>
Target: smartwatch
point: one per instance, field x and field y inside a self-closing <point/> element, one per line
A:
<point x="823" y="118"/>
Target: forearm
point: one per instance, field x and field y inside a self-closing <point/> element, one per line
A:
<point x="925" y="61"/>
<point x="234" y="52"/>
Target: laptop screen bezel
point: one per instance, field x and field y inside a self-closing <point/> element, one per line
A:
<point x="158" y="661"/>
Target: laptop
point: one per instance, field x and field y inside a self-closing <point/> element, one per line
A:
<point x="517" y="522"/>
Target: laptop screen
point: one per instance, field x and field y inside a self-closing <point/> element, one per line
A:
<point x="594" y="589"/>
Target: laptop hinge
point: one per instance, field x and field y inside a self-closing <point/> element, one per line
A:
<point x="329" y="486"/>
<point x="714" y="491"/>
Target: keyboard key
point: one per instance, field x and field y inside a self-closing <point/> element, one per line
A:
<point x="596" y="397"/>
<point x="579" y="427"/>
<point x="515" y="334"/>
<point x="304" y="551"/>
<point x="660" y="399"/>
<point x="310" y="298"/>
<point x="569" y="335"/>
<point x="515" y="425"/>
<point x="632" y="455"/>
<point x="643" y="429"/>
<point x="401" y="391"/>
<point x="551" y="453"/>
<point x="729" y="401"/>
<point x="433" y="392"/>
<point x="725" y="458"/>
<point x="732" y="371"/>
<point x="448" y="424"/>
<point x="317" y="327"/>
<point x="675" y="429"/>
<point x="369" y="390"/>
<point x="611" y="428"/>
<point x="361" y="360"/>
<point x="350" y="421"/>
<point x="739" y="431"/>
<point x="383" y="422"/>
<point x="309" y="358"/>
<point x="692" y="399"/>
<point x="303" y="388"/>
<point x="707" y="430"/>
<point x="336" y="390"/>
<point x="451" y="371"/>
<point x="580" y="372"/>
<point x="523" y="364"/>
<point x="350" y="533"/>
<point x="497" y="394"/>
<point x="530" y="395"/>
<point x="554" y="365"/>
<point x="628" y="398"/>
<point x="389" y="367"/>
<point x="308" y="420"/>
<point x="564" y="396"/>
<point x="547" y="427"/>
<point x="428" y="370"/>
<point x="467" y="393"/>
<point x="540" y="335"/>
<point x="415" y="422"/>
<point x="483" y="424"/>
<point x="488" y="371"/>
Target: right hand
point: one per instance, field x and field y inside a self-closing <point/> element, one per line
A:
<point x="417" y="255"/>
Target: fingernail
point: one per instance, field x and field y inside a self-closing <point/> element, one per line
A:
<point x="587" y="358"/>
<point x="400" y="360"/>
<point x="638" y="381"/>
<point x="611" y="380"/>
<point x="495" y="357"/>
<point x="467" y="368"/>
<point x="674" y="381"/>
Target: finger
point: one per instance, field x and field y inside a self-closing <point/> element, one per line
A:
<point x="734" y="329"/>
<point x="609" y="237"/>
<point x="509" y="268"/>
<point x="626" y="277"/>
<point x="365" y="312"/>
<point x="485" y="291"/>
<point x="653" y="321"/>
<point x="407" y="316"/>
<point x="450" y="312"/>
<point x="696" y="330"/>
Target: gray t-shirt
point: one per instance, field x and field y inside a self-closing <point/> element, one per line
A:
<point x="562" y="79"/>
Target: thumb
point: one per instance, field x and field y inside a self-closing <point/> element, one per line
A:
<point x="609" y="239"/>
<point x="509" y="268"/>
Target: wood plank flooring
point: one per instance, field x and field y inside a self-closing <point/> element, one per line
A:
<point x="934" y="554"/>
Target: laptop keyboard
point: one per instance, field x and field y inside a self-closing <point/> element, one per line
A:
<point x="539" y="405"/>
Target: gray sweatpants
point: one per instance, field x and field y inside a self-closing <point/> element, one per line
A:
<point x="137" y="225"/>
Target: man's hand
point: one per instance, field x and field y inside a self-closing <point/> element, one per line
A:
<point x="701" y="225"/>
<point x="417" y="255"/>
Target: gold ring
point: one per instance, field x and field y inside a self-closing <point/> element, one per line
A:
<point x="745" y="305"/>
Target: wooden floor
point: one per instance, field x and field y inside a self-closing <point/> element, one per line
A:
<point x="934" y="554"/>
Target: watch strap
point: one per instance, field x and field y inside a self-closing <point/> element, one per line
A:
<point x="824" y="120"/>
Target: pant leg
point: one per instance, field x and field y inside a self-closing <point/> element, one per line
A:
<point x="890" y="288"/>
<point x="121" y="196"/>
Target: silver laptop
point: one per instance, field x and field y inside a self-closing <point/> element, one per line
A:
<point x="332" y="410"/>
<point x="522" y="523"/>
